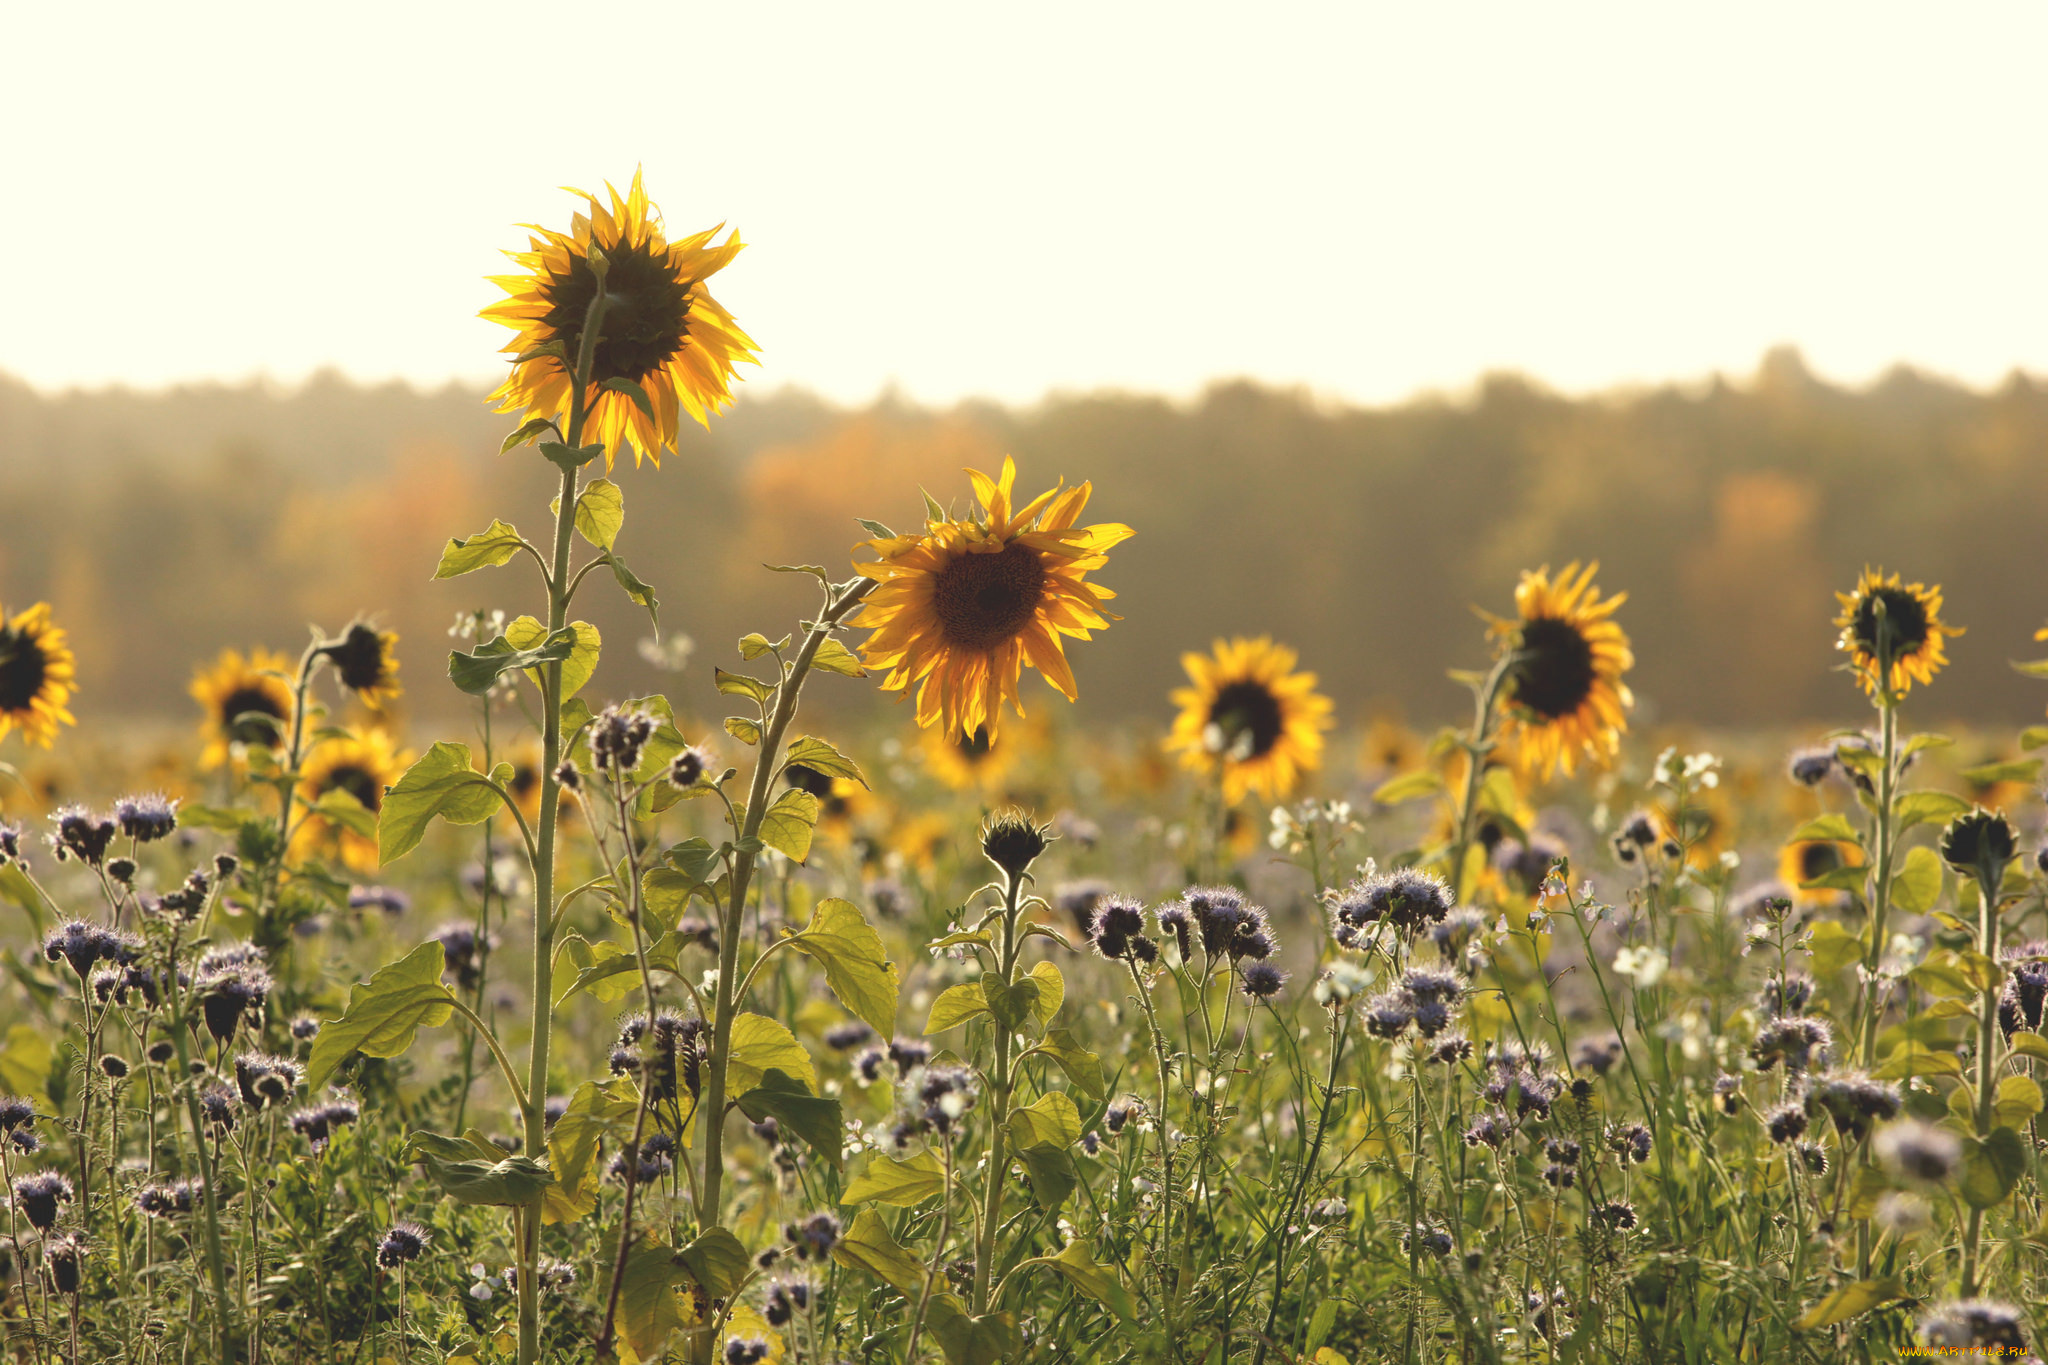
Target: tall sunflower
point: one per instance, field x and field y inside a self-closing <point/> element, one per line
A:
<point x="1563" y="691"/>
<point x="1250" y="718"/>
<point x="661" y="327"/>
<point x="959" y="610"/>
<point x="362" y="763"/>
<point x="1892" y="632"/>
<point x="36" y="675"/>
<point x="234" y="694"/>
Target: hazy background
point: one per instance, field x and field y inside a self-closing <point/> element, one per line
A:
<point x="1247" y="269"/>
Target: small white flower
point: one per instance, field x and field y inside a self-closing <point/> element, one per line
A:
<point x="1644" y="966"/>
<point x="480" y="1291"/>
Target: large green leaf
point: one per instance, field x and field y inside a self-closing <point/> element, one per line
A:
<point x="1052" y="993"/>
<point x="992" y="1339"/>
<point x="1831" y="828"/>
<point x="903" y="1184"/>
<point x="761" y="1045"/>
<point x="488" y="548"/>
<point x="1918" y="885"/>
<point x="442" y="783"/>
<point x="1851" y="1301"/>
<point x="384" y="1013"/>
<point x="834" y="657"/>
<point x="955" y="1006"/>
<point x="600" y="512"/>
<point x="791" y="1104"/>
<point x="1096" y="1281"/>
<point x="856" y="965"/>
<point x="868" y="1246"/>
<point x="788" y="825"/>
<point x="1992" y="1166"/>
<point x="718" y="1261"/>
<point x="1051" y="1173"/>
<point x="1924" y="806"/>
<point x="472" y="1176"/>
<point x="648" y="1308"/>
<point x="1051" y="1120"/>
<point x="598" y="1109"/>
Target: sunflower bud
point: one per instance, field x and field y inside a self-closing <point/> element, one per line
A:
<point x="1979" y="843"/>
<point x="1012" y="842"/>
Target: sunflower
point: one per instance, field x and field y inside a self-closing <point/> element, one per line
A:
<point x="1804" y="860"/>
<point x="1892" y="632"/>
<point x="367" y="660"/>
<point x="234" y="694"/>
<point x="1389" y="749"/>
<point x="362" y="763"/>
<point x="1563" y="689"/>
<point x="841" y="800"/>
<point x="959" y="610"/>
<point x="36" y="673"/>
<point x="1249" y="716"/>
<point x="661" y="329"/>
<point x="974" y="762"/>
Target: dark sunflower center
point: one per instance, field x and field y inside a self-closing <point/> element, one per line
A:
<point x="974" y="747"/>
<point x="525" y="777"/>
<point x="982" y="601"/>
<point x="1555" y="675"/>
<point x="1817" y="860"/>
<point x="360" y="659"/>
<point x="358" y="782"/>
<point x="22" y="669"/>
<point x="646" y="320"/>
<point x="1249" y="717"/>
<point x="1898" y="631"/>
<point x="239" y="703"/>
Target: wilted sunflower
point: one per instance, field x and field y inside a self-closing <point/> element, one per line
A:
<point x="661" y="327"/>
<point x="362" y="763"/>
<point x="1564" y="695"/>
<point x="1249" y="716"/>
<point x="961" y="609"/>
<point x="367" y="660"/>
<point x="233" y="693"/>
<point x="36" y="672"/>
<point x="1886" y="621"/>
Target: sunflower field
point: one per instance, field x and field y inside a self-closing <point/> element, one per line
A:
<point x="699" y="1028"/>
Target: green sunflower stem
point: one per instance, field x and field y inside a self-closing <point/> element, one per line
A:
<point x="1990" y="874"/>
<point x="544" y="849"/>
<point x="1881" y="882"/>
<point x="1477" y="745"/>
<point x="1002" y="1082"/>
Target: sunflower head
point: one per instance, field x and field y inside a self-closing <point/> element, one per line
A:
<point x="1249" y="718"/>
<point x="245" y="703"/>
<point x="660" y="328"/>
<point x="1979" y="842"/>
<point x="367" y="660"/>
<point x="960" y="609"/>
<point x="1892" y="632"/>
<point x="1562" y="689"/>
<point x="1804" y="861"/>
<point x="1013" y="841"/>
<point x="36" y="675"/>
<point x="362" y="764"/>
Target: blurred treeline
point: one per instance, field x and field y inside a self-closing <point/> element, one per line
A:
<point x="165" y="526"/>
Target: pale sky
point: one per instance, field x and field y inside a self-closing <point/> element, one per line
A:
<point x="971" y="199"/>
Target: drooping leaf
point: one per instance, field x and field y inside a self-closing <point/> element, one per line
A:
<point x="1051" y="1173"/>
<point x="992" y="1339"/>
<point x="834" y="657"/>
<point x="1830" y="828"/>
<point x="477" y="672"/>
<point x="486" y="549"/>
<point x="1918" y="885"/>
<point x="527" y="430"/>
<point x="856" y="965"/>
<point x="1083" y="1068"/>
<point x="718" y="1262"/>
<point x="1929" y="806"/>
<point x="1992" y="1166"/>
<point x="902" y="1184"/>
<point x="2027" y="770"/>
<point x="1052" y="993"/>
<point x="468" y="1177"/>
<point x="442" y="783"/>
<point x="791" y="1104"/>
<point x="740" y="685"/>
<point x="1051" y="1120"/>
<point x="2017" y="1099"/>
<point x="384" y="1013"/>
<point x="1012" y="1004"/>
<point x="639" y="592"/>
<point x="820" y="757"/>
<point x="648" y="1308"/>
<point x="597" y="1110"/>
<point x="1851" y="1301"/>
<point x="338" y="805"/>
<point x="755" y="644"/>
<point x="694" y="858"/>
<point x="1408" y="787"/>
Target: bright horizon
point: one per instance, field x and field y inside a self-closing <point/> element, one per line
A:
<point x="1367" y="201"/>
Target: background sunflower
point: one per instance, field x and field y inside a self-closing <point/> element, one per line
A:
<point x="1250" y="717"/>
<point x="662" y="329"/>
<point x="1563" y="694"/>
<point x="958" y="611"/>
<point x="362" y="763"/>
<point x="1887" y="620"/>
<point x="232" y="693"/>
<point x="36" y="676"/>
